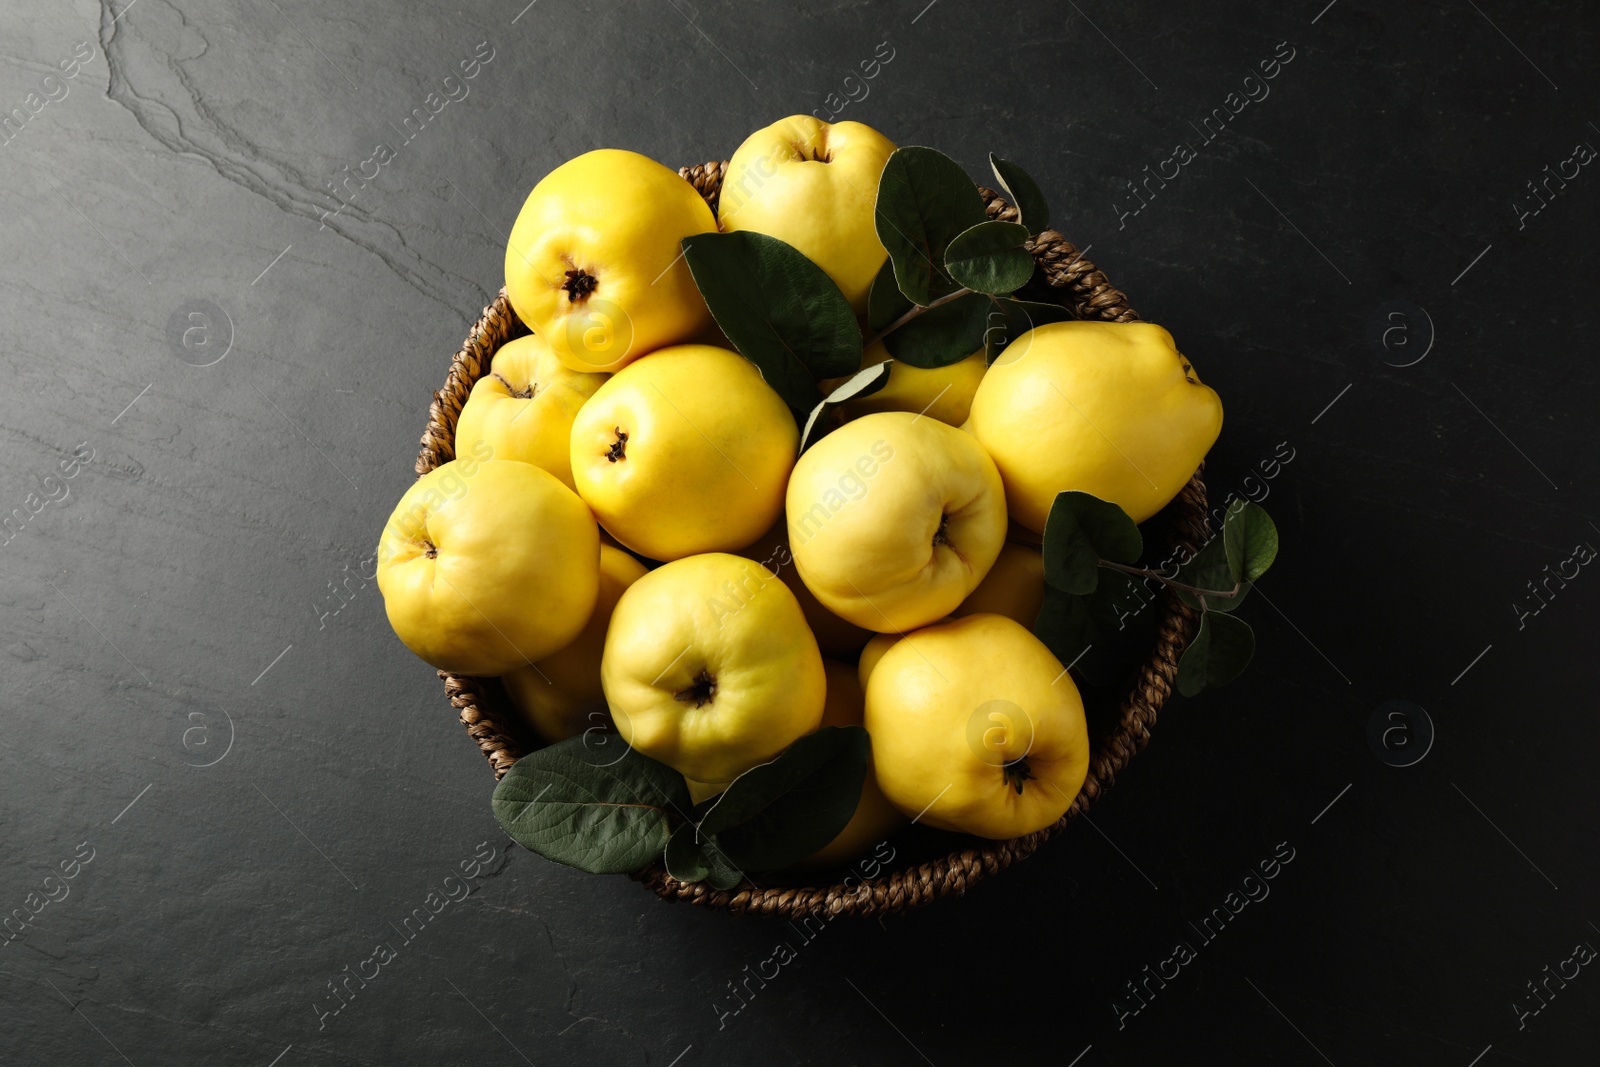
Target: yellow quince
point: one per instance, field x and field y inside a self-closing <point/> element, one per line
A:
<point x="1107" y="408"/>
<point x="524" y="407"/>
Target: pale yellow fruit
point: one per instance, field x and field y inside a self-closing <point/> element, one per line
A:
<point x="561" y="694"/>
<point x="524" y="407"/>
<point x="485" y="566"/>
<point x="813" y="185"/>
<point x="1106" y="408"/>
<point x="875" y="818"/>
<point x="943" y="393"/>
<point x="709" y="667"/>
<point x="871" y="654"/>
<point x="894" y="518"/>
<point x="1014" y="587"/>
<point x="835" y="636"/>
<point x="976" y="726"/>
<point x="594" y="263"/>
<point x="686" y="450"/>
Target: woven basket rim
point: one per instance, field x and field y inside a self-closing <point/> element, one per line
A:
<point x="1083" y="289"/>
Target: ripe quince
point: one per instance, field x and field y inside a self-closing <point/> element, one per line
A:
<point x="1014" y="586"/>
<point x="1107" y="408"/>
<point x="524" y="407"/>
<point x="976" y="727"/>
<point x="943" y="393"/>
<point x="594" y="263"/>
<point x="813" y="185"/>
<point x="894" y="519"/>
<point x="487" y="565"/>
<point x="561" y="694"/>
<point x="709" y="667"/>
<point x="684" y="451"/>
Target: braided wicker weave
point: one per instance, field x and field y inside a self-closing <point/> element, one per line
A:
<point x="485" y="711"/>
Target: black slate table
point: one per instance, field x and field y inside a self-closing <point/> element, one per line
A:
<point x="225" y="782"/>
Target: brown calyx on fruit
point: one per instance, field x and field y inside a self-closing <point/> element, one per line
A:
<point x="1017" y="773"/>
<point x="819" y="154"/>
<point x="430" y="549"/>
<point x="520" y="394"/>
<point x="941" y="536"/>
<point x="700" y="692"/>
<point x="579" y="284"/>
<point x="619" y="447"/>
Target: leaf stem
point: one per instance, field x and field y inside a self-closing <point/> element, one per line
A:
<point x="916" y="310"/>
<point x="1145" y="572"/>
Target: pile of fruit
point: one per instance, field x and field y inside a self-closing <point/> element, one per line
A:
<point x="783" y="524"/>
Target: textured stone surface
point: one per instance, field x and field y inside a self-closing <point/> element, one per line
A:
<point x="174" y="607"/>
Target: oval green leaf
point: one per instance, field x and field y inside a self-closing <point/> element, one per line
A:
<point x="692" y="856"/>
<point x="1220" y="651"/>
<point x="1251" y="539"/>
<point x="600" y="819"/>
<point x="781" y="812"/>
<point x="778" y="308"/>
<point x="1080" y="531"/>
<point x="885" y="301"/>
<point x="1023" y="192"/>
<point x="924" y="200"/>
<point x="991" y="257"/>
<point x="942" y="335"/>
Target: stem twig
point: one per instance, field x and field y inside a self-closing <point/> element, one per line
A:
<point x="913" y="313"/>
<point x="1145" y="572"/>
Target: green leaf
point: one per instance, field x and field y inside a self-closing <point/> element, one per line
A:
<point x="778" y="308"/>
<point x="1103" y="634"/>
<point x="991" y="257"/>
<point x="1080" y="531"/>
<point x="683" y="857"/>
<point x="1212" y="569"/>
<point x="1065" y="625"/>
<point x="862" y="383"/>
<point x="601" y="819"/>
<point x="783" y="811"/>
<point x="692" y="856"/>
<point x="924" y="200"/>
<point x="885" y="301"/>
<point x="943" y="335"/>
<point x="1251" y="539"/>
<point x="1221" y="649"/>
<point x="1019" y="316"/>
<point x="1023" y="192"/>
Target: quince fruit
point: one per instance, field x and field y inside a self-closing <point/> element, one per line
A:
<point x="813" y="185"/>
<point x="684" y="451"/>
<point x="487" y="565"/>
<point x="894" y="519"/>
<point x="594" y="263"/>
<point x="1014" y="586"/>
<point x="976" y="727"/>
<point x="1107" y="408"/>
<point x="524" y="407"/>
<point x="709" y="667"/>
<point x="943" y="393"/>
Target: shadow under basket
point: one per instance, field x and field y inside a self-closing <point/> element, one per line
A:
<point x="1065" y="277"/>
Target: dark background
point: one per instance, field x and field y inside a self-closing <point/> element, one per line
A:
<point x="176" y="609"/>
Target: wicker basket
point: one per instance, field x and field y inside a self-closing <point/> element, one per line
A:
<point x="1069" y="279"/>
